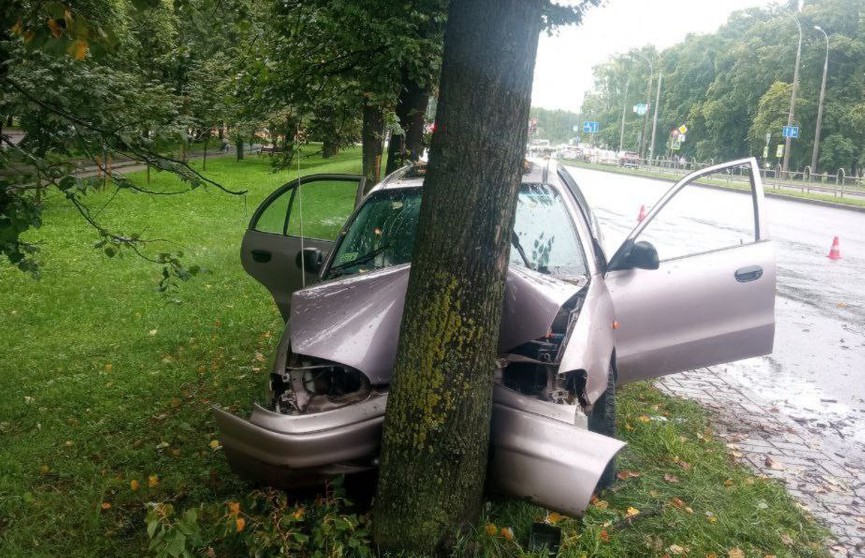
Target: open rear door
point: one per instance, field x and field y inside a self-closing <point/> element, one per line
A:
<point x="305" y="213"/>
<point x="712" y="297"/>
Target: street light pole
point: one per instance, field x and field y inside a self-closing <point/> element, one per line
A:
<point x="655" y="118"/>
<point x="820" y="104"/>
<point x="642" y="146"/>
<point x="786" y="163"/>
<point x="624" y="106"/>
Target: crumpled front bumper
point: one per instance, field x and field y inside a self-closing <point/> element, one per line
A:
<point x="537" y="453"/>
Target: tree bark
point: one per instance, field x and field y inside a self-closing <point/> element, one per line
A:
<point x="239" y="145"/>
<point x="372" y="136"/>
<point x="436" y="429"/>
<point x="410" y="109"/>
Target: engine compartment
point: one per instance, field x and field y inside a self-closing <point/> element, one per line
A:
<point x="314" y="385"/>
<point x="311" y="385"/>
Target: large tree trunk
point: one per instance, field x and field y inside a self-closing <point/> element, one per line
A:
<point x="436" y="429"/>
<point x="372" y="135"/>
<point x="239" y="145"/>
<point x="410" y="109"/>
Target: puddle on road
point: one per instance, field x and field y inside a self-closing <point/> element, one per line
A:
<point x="804" y="402"/>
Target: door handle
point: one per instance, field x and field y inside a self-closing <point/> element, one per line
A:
<point x="261" y="256"/>
<point x="749" y="273"/>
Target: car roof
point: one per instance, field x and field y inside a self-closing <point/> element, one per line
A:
<point x="410" y="176"/>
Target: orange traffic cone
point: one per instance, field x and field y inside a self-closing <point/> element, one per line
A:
<point x="835" y="252"/>
<point x="642" y="214"/>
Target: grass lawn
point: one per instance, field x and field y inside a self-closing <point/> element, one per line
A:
<point x="106" y="387"/>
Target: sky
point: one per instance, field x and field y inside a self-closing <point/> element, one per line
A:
<point x="563" y="70"/>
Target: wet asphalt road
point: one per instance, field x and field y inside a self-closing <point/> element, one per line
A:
<point x="816" y="374"/>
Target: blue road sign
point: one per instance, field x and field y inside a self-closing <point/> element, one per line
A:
<point x="591" y="127"/>
<point x="790" y="131"/>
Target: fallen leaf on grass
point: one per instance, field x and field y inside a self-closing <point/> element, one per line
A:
<point x="728" y="482"/>
<point x="507" y="533"/>
<point x="677" y="503"/>
<point x="240" y="524"/>
<point x="604" y="535"/>
<point x="711" y="555"/>
<point x="672" y="479"/>
<point x="710" y="517"/>
<point x="786" y="539"/>
<point x="644" y="418"/>
<point x="624" y="475"/>
<point x="600" y="504"/>
<point x="152" y="480"/>
<point x="490" y="529"/>
<point x="632" y="512"/>
<point x="735" y="553"/>
<point x="152" y="332"/>
<point x="133" y="485"/>
<point x="215" y="445"/>
<point x="675" y="549"/>
<point x="552" y="518"/>
<point x="105" y="506"/>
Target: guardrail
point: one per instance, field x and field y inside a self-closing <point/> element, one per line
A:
<point x="838" y="184"/>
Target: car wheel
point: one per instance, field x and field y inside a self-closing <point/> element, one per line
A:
<point x="602" y="420"/>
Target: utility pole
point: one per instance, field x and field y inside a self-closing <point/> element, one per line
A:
<point x="655" y="118"/>
<point x="642" y="143"/>
<point x="786" y="164"/>
<point x="820" y="105"/>
<point x="624" y="106"/>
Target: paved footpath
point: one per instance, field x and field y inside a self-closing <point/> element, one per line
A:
<point x="825" y="482"/>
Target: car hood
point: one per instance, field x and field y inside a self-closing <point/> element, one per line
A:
<point x="356" y="321"/>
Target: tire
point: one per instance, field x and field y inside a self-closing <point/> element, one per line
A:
<point x="602" y="420"/>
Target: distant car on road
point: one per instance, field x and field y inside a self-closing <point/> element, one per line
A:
<point x="629" y="159"/>
<point x="575" y="323"/>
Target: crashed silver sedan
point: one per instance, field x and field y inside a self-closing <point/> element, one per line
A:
<point x="576" y="323"/>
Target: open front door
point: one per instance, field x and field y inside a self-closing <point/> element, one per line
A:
<point x="305" y="213"/>
<point x="711" y="298"/>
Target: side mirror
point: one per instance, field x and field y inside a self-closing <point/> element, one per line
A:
<point x="310" y="259"/>
<point x="643" y="256"/>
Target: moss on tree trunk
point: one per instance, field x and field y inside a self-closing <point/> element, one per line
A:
<point x="436" y="430"/>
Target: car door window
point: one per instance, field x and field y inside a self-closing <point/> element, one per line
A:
<point x="319" y="209"/>
<point x="273" y="218"/>
<point x="315" y="209"/>
<point x="700" y="219"/>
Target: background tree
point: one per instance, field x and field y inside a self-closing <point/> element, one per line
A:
<point x="726" y="86"/>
